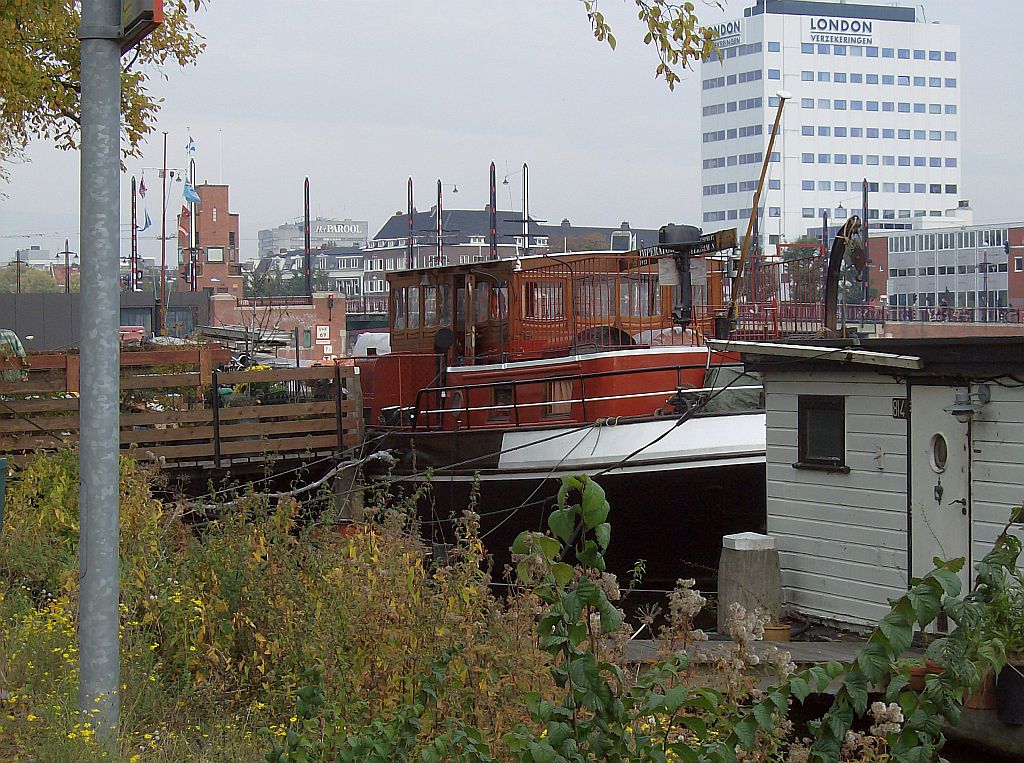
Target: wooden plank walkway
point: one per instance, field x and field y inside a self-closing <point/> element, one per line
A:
<point x="179" y="411"/>
<point x="803" y="653"/>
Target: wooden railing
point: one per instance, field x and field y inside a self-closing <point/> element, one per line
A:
<point x="178" y="411"/>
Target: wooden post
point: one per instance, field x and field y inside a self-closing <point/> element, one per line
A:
<point x="337" y="408"/>
<point x="205" y="366"/>
<point x="216" y="420"/>
<point x="72" y="364"/>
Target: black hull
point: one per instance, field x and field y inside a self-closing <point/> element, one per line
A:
<point x="672" y="519"/>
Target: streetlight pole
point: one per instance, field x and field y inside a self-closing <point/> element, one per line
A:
<point x="67" y="267"/>
<point x="162" y="311"/>
<point x="99" y="443"/>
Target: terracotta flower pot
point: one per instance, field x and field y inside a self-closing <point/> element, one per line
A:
<point x="918" y="672"/>
<point x="776" y="632"/>
<point x="984" y="697"/>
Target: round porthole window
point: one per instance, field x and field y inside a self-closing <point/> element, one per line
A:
<point x="940" y="453"/>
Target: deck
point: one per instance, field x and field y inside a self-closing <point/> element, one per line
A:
<point x="178" y="411"/>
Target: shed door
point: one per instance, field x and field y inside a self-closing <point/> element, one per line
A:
<point x="940" y="497"/>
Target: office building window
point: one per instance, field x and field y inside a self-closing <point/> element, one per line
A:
<point x="856" y="132"/>
<point x="824" y="131"/>
<point x="919" y="135"/>
<point x="839" y="185"/>
<point x="950" y="135"/>
<point x="839" y="132"/>
<point x="808" y="212"/>
<point x="807" y="130"/>
<point x="824" y="185"/>
<point x="872" y="160"/>
<point x="950" y="163"/>
<point x="872" y="132"/>
<point x="888" y="106"/>
<point x="888" y="132"/>
<point x="903" y="80"/>
<point x="856" y="78"/>
<point x="857" y="51"/>
<point x="888" y="161"/>
<point x="774" y="211"/>
<point x="872" y="106"/>
<point x="918" y="81"/>
<point x="872" y="79"/>
<point x="839" y="50"/>
<point x="807" y="47"/>
<point x="888" y="52"/>
<point x="824" y="158"/>
<point x="840" y="158"/>
<point x="904" y="188"/>
<point x="774" y="47"/>
<point x="935" y="82"/>
<point x="920" y="161"/>
<point x="774" y="185"/>
<point x="950" y="108"/>
<point x="935" y="188"/>
<point x="824" y="77"/>
<point x="904" y="161"/>
<point x="904" y="54"/>
<point x="839" y="104"/>
<point x="951" y="188"/>
<point x="904" y="107"/>
<point x="903" y="134"/>
<point x="950" y="82"/>
<point x="807" y="103"/>
<point x="919" y="55"/>
<point x="807" y="185"/>
<point x="935" y="135"/>
<point x="823" y="49"/>
<point x="774" y="74"/>
<point x="920" y="188"/>
<point x="856" y="159"/>
<point x="934" y="55"/>
<point x="839" y="77"/>
<point x="806" y="76"/>
<point x="888" y="79"/>
<point x="824" y="103"/>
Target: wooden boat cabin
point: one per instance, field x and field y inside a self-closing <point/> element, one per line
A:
<point x="535" y="341"/>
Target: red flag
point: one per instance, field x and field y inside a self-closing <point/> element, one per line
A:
<point x="142" y="187"/>
<point x="183" y="221"/>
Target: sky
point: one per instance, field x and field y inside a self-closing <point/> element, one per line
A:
<point x="361" y="94"/>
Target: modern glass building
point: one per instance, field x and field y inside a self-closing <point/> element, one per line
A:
<point x="875" y="94"/>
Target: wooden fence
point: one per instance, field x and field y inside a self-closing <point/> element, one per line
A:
<point x="177" y="410"/>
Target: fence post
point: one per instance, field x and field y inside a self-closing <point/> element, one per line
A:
<point x="337" y="408"/>
<point x="216" y="420"/>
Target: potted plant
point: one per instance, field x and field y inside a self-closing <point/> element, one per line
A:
<point x="775" y="629"/>
<point x="1003" y="628"/>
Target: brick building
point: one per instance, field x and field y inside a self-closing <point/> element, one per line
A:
<point x="320" y="324"/>
<point x="215" y="253"/>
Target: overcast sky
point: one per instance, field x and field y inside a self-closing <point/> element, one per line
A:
<point x="361" y="94"/>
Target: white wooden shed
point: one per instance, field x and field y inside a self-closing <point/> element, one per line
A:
<point x="883" y="454"/>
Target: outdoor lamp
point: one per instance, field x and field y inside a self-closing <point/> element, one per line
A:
<point x="967" y="403"/>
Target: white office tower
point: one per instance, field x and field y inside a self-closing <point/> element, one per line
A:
<point x="875" y="94"/>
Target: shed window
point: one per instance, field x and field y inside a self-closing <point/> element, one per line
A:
<point x="822" y="432"/>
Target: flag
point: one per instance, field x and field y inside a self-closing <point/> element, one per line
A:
<point x="190" y="148"/>
<point x="190" y="194"/>
<point x="148" y="221"/>
<point x="183" y="221"/>
<point x="142" y="187"/>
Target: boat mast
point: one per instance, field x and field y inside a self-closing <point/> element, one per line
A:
<point x="737" y="279"/>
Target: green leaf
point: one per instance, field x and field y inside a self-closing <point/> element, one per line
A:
<point x="873" y="660"/>
<point x="857" y="687"/>
<point x="949" y="581"/>
<point x="562" y="573"/>
<point x="590" y="556"/>
<point x="898" y="631"/>
<point x="746" y="731"/>
<point x="603" y="533"/>
<point x="595" y="506"/>
<point x="548" y="546"/>
<point x="926" y="602"/>
<point x="675" y="697"/>
<point x="799" y="687"/>
<point x="542" y="752"/>
<point x="611" y="620"/>
<point x="763" y="716"/>
<point x="521" y="545"/>
<point x="562" y="522"/>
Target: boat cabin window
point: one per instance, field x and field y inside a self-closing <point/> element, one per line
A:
<point x="499" y="301"/>
<point x="429" y="306"/>
<point x="398" y="308"/>
<point x="444" y="298"/>
<point x="413" y="300"/>
<point x="543" y="300"/>
<point x="502" y="403"/>
<point x="558" y="394"/>
<point x="640" y="296"/>
<point x="594" y="297"/>
<point x="483" y="298"/>
<point x="821" y="432"/>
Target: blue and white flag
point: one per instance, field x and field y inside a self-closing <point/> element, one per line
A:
<point x="190" y="149"/>
<point x="190" y="194"/>
<point x="148" y="221"/>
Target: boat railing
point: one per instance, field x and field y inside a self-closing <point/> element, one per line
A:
<point x="452" y="406"/>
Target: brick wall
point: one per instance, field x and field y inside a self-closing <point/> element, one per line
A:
<point x="324" y="318"/>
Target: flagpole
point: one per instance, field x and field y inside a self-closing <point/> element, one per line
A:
<point x="192" y="223"/>
<point x="162" y="317"/>
<point x="133" y="260"/>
